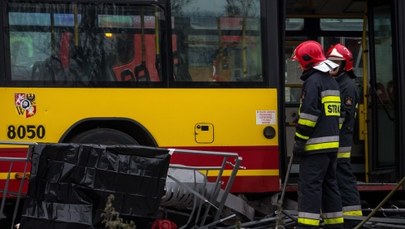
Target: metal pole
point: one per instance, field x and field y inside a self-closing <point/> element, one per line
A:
<point x="281" y="200"/>
<point x="381" y="204"/>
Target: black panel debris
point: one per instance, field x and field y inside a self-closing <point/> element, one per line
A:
<point x="70" y="184"/>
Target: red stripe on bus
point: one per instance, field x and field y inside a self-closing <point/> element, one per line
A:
<point x="255" y="157"/>
<point x="257" y="184"/>
<point x="13" y="152"/>
<point x="15" y="166"/>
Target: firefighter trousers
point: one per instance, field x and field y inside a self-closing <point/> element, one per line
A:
<point x="318" y="192"/>
<point x="348" y="188"/>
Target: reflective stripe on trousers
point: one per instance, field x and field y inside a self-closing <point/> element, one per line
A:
<point x="310" y="219"/>
<point x="344" y="152"/>
<point x="347" y="184"/>
<point x="317" y="189"/>
<point x="333" y="218"/>
<point x="354" y="210"/>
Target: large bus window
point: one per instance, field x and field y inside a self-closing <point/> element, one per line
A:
<point x="385" y="110"/>
<point x="217" y="40"/>
<point x="82" y="43"/>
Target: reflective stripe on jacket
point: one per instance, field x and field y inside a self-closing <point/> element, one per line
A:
<point x="319" y="113"/>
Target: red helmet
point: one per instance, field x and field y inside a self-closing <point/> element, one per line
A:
<point x="340" y="52"/>
<point x="308" y="54"/>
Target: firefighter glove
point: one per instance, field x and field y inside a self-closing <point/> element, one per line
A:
<point x="298" y="149"/>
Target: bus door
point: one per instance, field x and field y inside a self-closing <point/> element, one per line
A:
<point x="383" y="127"/>
<point x="327" y="31"/>
<point x="378" y="63"/>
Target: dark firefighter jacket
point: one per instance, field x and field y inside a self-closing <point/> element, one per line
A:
<point x="350" y="99"/>
<point x="318" y="123"/>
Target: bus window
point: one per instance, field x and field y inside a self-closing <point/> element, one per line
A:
<point x="82" y="43"/>
<point x="293" y="72"/>
<point x="132" y="54"/>
<point x="294" y="24"/>
<point x="32" y="38"/>
<point x="25" y="47"/>
<point x="22" y="54"/>
<point x="384" y="114"/>
<point x="341" y="24"/>
<point x="217" y="40"/>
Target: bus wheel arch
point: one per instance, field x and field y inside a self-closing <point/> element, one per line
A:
<point x="122" y="130"/>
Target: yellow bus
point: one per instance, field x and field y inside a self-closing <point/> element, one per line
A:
<point x="210" y="75"/>
<point x="195" y="74"/>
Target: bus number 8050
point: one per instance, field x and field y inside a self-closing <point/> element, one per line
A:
<point x="28" y="131"/>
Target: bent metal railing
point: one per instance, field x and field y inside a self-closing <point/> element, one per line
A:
<point x="191" y="189"/>
<point x="187" y="186"/>
<point x="9" y="177"/>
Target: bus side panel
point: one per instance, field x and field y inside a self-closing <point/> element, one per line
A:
<point x="259" y="171"/>
<point x="238" y="118"/>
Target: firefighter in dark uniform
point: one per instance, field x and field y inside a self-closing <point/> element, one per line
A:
<point x="349" y="95"/>
<point x="317" y="140"/>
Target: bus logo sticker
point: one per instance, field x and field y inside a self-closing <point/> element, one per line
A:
<point x="25" y="104"/>
<point x="265" y="117"/>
